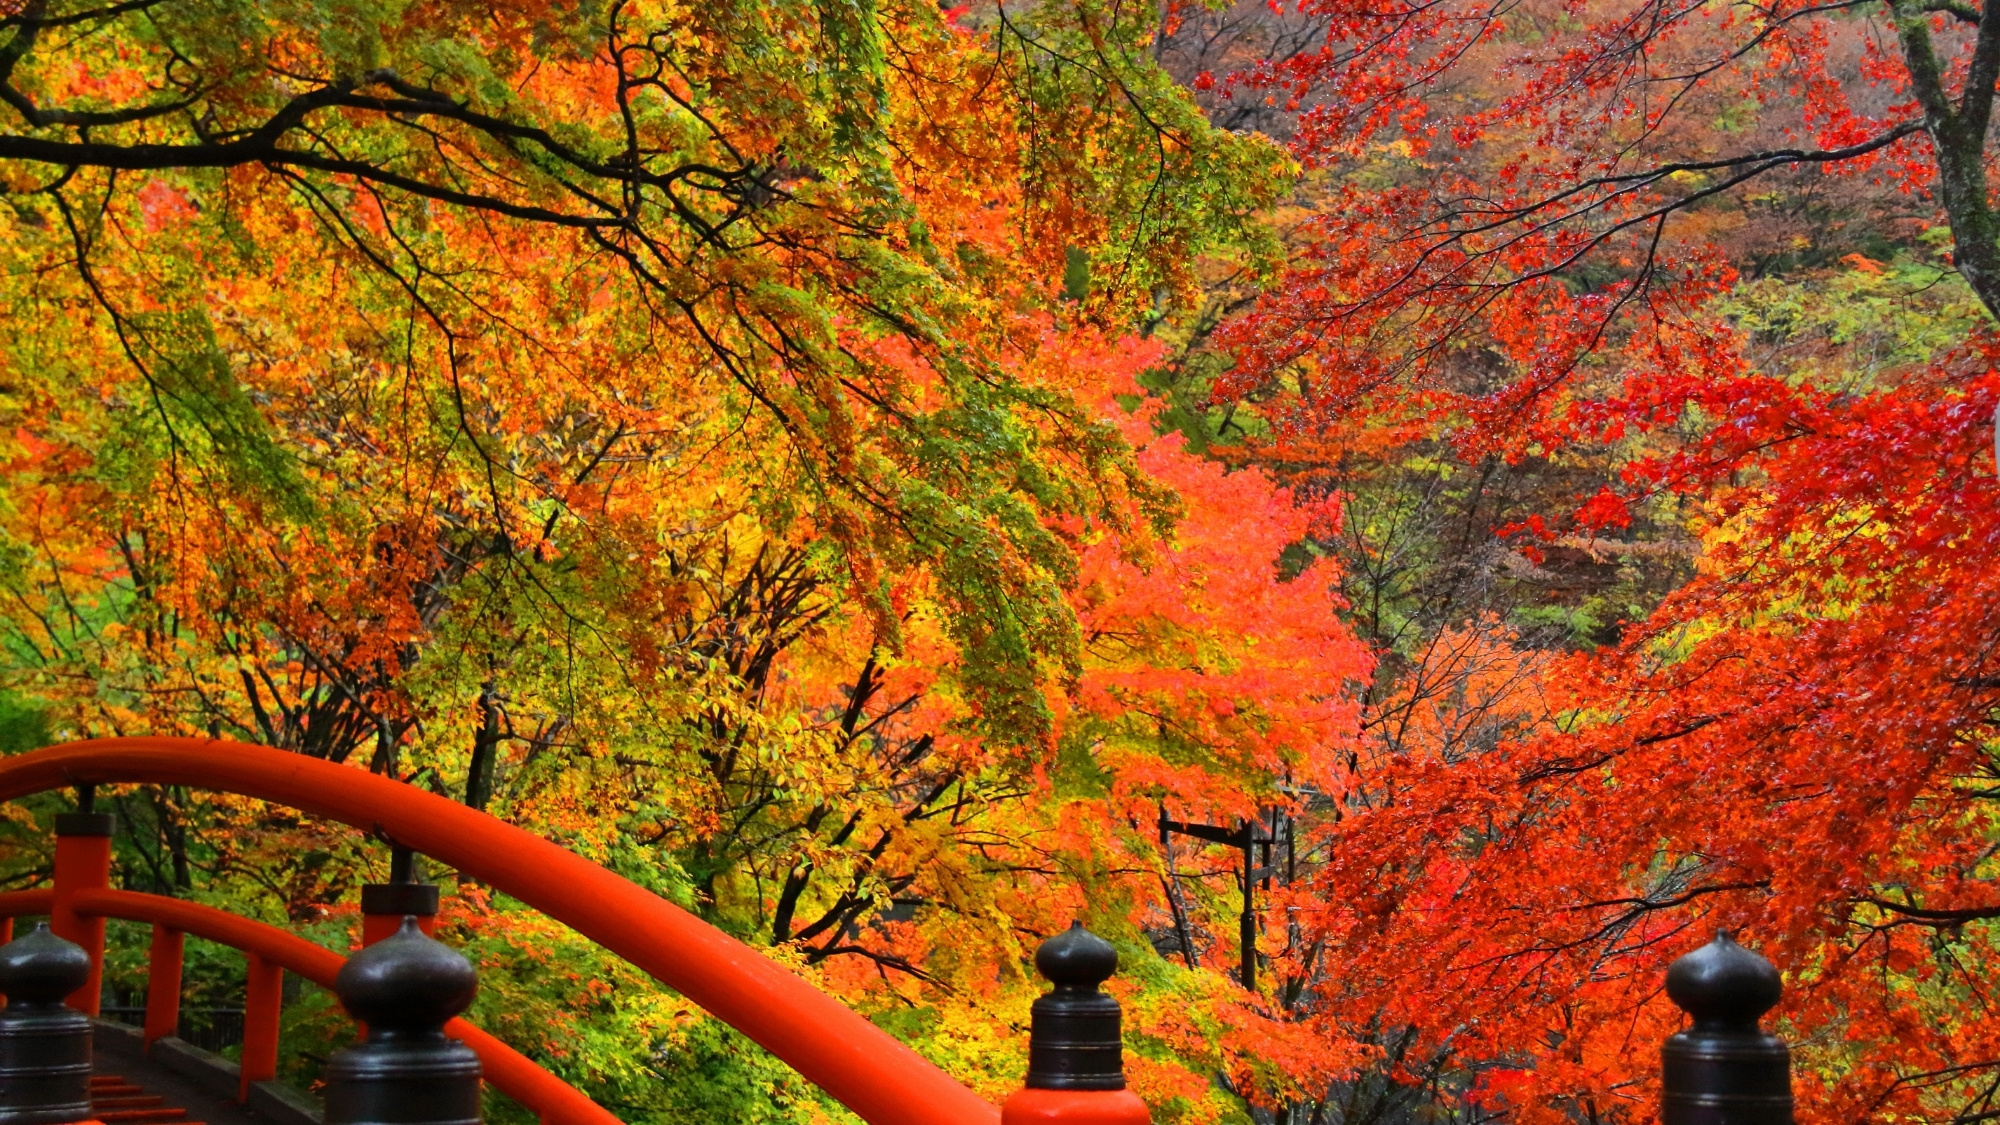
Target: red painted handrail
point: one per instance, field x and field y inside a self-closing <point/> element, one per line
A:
<point x="287" y="950"/>
<point x="832" y="1046"/>
<point x="541" y="1093"/>
<point x="13" y="904"/>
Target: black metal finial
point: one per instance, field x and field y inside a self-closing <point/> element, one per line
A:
<point x="1723" y="984"/>
<point x="1075" y="1038"/>
<point x="1725" y="1070"/>
<point x="404" y="988"/>
<point x="39" y="968"/>
<point x="44" y="1046"/>
<point x="1076" y="958"/>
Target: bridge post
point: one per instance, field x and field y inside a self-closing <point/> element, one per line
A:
<point x="83" y="862"/>
<point x="163" y="984"/>
<point x="404" y="988"/>
<point x="263" y="1009"/>
<point x="44" y="1045"/>
<point x="1076" y="1064"/>
<point x="1725" y="1070"/>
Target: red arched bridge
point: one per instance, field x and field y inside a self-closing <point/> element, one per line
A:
<point x="880" y="1079"/>
<point x="1724" y="1070"/>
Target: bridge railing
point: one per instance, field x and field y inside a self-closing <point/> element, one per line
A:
<point x="1722" y="1071"/>
<point x="872" y="1073"/>
<point x="270" y="952"/>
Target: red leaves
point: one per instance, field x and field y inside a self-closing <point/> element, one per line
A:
<point x="1514" y="252"/>
<point x="1796" y="744"/>
<point x="162" y="205"/>
<point x="1605" y="510"/>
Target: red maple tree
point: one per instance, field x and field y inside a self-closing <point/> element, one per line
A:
<point x="1523" y="215"/>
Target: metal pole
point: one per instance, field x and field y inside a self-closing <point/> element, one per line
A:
<point x="1247" y="924"/>
<point x="384" y="905"/>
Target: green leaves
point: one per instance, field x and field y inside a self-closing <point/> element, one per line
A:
<point x="207" y="417"/>
<point x="672" y="415"/>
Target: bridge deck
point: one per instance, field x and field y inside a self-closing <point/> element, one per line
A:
<point x="181" y="1085"/>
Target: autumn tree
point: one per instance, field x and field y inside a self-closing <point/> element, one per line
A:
<point x="714" y="437"/>
<point x="1531" y="242"/>
<point x="1549" y="189"/>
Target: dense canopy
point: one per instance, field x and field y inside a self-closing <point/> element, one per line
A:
<point x="880" y="474"/>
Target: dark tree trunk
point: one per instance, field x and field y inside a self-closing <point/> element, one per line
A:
<point x="1958" y="137"/>
<point x="479" y="773"/>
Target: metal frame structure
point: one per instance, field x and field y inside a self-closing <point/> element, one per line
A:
<point x="1246" y="839"/>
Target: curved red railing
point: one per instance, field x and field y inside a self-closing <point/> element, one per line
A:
<point x="541" y="1093"/>
<point x="517" y="1076"/>
<point x="830" y="1045"/>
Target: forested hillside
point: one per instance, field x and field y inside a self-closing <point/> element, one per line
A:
<point x="878" y="475"/>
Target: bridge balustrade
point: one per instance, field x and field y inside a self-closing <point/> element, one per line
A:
<point x="419" y="1063"/>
